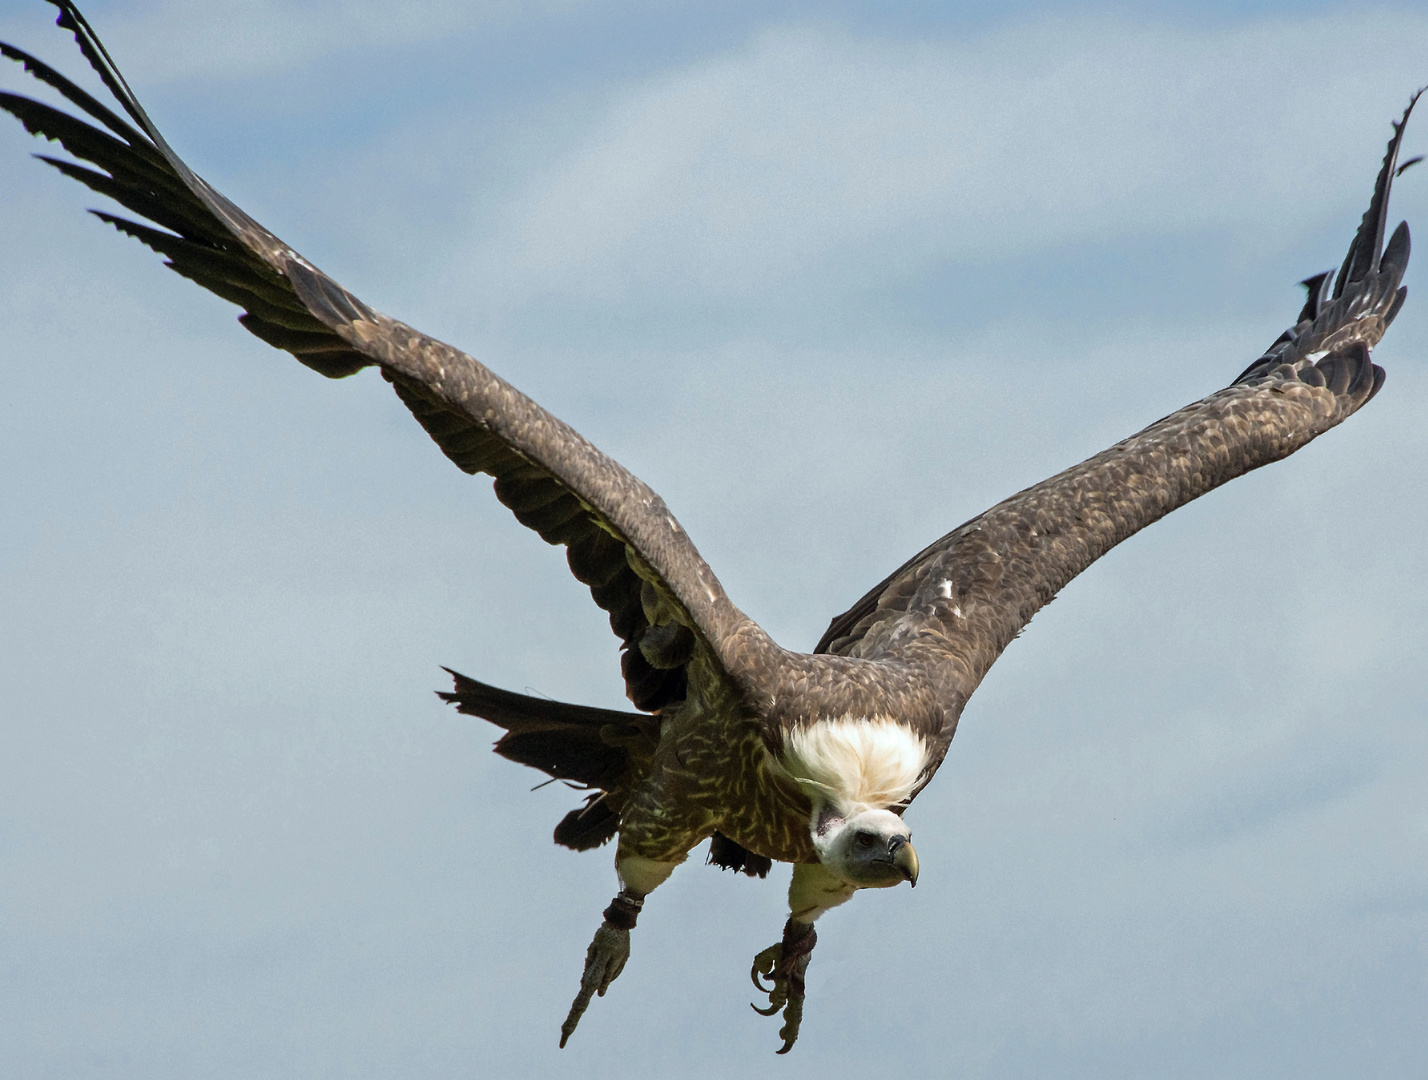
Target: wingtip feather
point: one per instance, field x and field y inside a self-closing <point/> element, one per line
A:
<point x="1395" y="254"/>
<point x="1364" y="254"/>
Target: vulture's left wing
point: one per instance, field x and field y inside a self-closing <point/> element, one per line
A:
<point x="662" y="599"/>
<point x="959" y="603"/>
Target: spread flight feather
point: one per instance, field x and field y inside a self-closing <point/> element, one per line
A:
<point x="736" y="738"/>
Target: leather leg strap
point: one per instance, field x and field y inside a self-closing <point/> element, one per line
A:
<point x="625" y="909"/>
<point x="798" y="940"/>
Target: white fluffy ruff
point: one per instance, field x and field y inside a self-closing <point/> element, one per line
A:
<point x="856" y="763"/>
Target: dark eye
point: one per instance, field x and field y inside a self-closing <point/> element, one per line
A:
<point x="865" y="839"/>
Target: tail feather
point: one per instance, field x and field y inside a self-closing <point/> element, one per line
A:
<point x="568" y="742"/>
<point x="582" y="745"/>
<point x="576" y="743"/>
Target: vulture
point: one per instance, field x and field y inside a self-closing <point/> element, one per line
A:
<point x="767" y="753"/>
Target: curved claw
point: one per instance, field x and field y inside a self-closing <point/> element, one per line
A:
<point x="785" y="995"/>
<point x="784" y="965"/>
<point x="604" y="961"/>
<point x="765" y="963"/>
<point x="792" y="1021"/>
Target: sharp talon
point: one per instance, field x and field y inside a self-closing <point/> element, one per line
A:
<point x="793" y="1020"/>
<point x="783" y="965"/>
<point x="764" y="965"/>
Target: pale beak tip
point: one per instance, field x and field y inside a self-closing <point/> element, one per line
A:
<point x="905" y="859"/>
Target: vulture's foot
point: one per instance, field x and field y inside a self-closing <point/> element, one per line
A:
<point x="784" y="965"/>
<point x="605" y="958"/>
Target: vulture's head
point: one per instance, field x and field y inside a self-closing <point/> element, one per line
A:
<point x="871" y="849"/>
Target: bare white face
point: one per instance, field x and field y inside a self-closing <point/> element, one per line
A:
<point x="871" y="849"/>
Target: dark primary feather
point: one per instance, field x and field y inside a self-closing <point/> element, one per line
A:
<point x="1363" y="255"/>
<point x="964" y="598"/>
<point x="661" y="598"/>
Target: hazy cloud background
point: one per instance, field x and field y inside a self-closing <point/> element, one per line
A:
<point x="832" y="278"/>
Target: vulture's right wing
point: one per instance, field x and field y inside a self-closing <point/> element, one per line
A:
<point x="662" y="599"/>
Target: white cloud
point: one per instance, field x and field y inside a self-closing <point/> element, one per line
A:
<point x="812" y="156"/>
<point x="171" y="40"/>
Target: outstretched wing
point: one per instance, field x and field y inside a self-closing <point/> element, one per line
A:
<point x="663" y="601"/>
<point x="969" y="594"/>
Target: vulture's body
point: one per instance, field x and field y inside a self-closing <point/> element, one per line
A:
<point x="769" y="754"/>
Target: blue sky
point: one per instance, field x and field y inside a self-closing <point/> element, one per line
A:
<point x="831" y="278"/>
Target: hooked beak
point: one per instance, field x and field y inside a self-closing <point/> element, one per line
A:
<point x="904" y="857"/>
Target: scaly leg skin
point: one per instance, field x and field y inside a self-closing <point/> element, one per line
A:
<point x="605" y="958"/>
<point x="784" y="966"/>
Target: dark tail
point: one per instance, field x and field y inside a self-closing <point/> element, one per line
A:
<point x="592" y="748"/>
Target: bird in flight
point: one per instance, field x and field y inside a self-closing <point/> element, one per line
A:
<point x="769" y="754"/>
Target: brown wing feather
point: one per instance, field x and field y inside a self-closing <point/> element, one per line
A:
<point x="660" y="595"/>
<point x="972" y="591"/>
